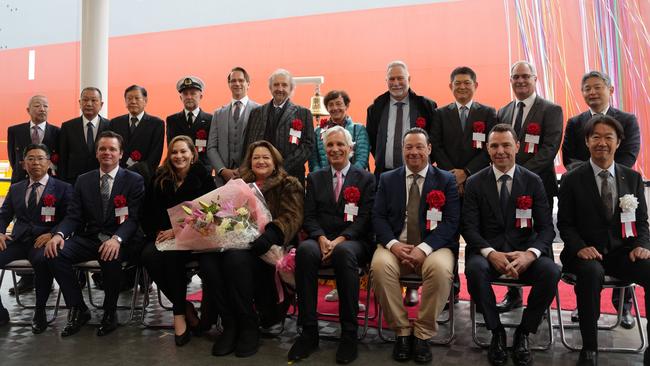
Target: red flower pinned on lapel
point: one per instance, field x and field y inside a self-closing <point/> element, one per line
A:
<point x="201" y="134"/>
<point x="49" y="200"/>
<point x="119" y="201"/>
<point x="436" y="199"/>
<point x="478" y="126"/>
<point x="478" y="134"/>
<point x="532" y="137"/>
<point x="524" y="212"/>
<point x="323" y="123"/>
<point x="533" y="128"/>
<point x="121" y="209"/>
<point x="420" y="122"/>
<point x="135" y="155"/>
<point x="352" y="195"/>
<point x="48" y="210"/>
<point x="201" y="140"/>
<point x="54" y="158"/>
<point x="296" y="124"/>
<point x="295" y="132"/>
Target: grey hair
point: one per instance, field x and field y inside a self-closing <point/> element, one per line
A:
<point x="397" y="63"/>
<point x="346" y="135"/>
<point x="282" y="72"/>
<point x="533" y="71"/>
<point x="34" y="97"/>
<point x="596" y="74"/>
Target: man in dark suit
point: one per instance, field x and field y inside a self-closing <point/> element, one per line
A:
<point x="36" y="131"/>
<point x="228" y="126"/>
<point x="37" y="204"/>
<point x="192" y="121"/>
<point x="337" y="220"/>
<point x="598" y="199"/>
<point x="454" y="147"/>
<point x="597" y="90"/>
<point x="392" y="113"/>
<point x="538" y="124"/>
<point x="143" y="134"/>
<point x="415" y="216"/>
<point x="103" y="215"/>
<point x="506" y="237"/>
<point x="289" y="127"/>
<point x="77" y="137"/>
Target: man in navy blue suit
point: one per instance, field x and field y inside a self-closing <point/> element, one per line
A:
<point x="103" y="215"/>
<point x="38" y="204"/>
<point x="415" y="216"/>
<point x="508" y="228"/>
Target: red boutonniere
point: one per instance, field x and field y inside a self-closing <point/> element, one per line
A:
<point x="352" y="195"/>
<point x="323" y="123"/>
<point x="532" y="137"/>
<point x="134" y="157"/>
<point x="48" y="210"/>
<point x="420" y="122"/>
<point x="295" y="132"/>
<point x="436" y="200"/>
<point x="54" y="159"/>
<point x="524" y="212"/>
<point x="201" y="140"/>
<point x="478" y="134"/>
<point x="121" y="209"/>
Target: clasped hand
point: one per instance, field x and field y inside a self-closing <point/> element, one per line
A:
<point x="511" y="264"/>
<point x="408" y="255"/>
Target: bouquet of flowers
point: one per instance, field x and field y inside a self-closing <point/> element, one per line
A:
<point x="285" y="267"/>
<point x="230" y="217"/>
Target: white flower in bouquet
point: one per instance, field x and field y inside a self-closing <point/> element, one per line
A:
<point x="628" y="203"/>
<point x="242" y="211"/>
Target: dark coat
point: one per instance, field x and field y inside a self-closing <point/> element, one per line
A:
<point x="147" y="138"/>
<point x="18" y="137"/>
<point x="176" y="125"/>
<point x="74" y="157"/>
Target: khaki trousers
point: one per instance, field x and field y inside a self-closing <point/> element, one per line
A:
<point x="437" y="273"/>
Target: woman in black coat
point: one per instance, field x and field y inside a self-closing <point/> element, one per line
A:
<point x="181" y="178"/>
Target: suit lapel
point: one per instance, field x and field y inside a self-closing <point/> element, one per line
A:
<point x="21" y="193"/>
<point x="622" y="188"/>
<point x="490" y="191"/>
<point x="590" y="179"/>
<point x="245" y="114"/>
<point x="508" y="113"/>
<point x="78" y="130"/>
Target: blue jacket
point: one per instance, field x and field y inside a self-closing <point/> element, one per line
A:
<point x="318" y="158"/>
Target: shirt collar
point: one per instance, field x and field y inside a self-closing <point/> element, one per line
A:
<point x="94" y="121"/>
<point x="598" y="169"/>
<point x="344" y="171"/>
<point x="510" y="172"/>
<point x="41" y="126"/>
<point x="405" y="101"/>
<point x="243" y="101"/>
<point x="42" y="181"/>
<point x="422" y="173"/>
<point x="281" y="105"/>
<point x="139" y="116"/>
<point x="195" y="112"/>
<point x="528" y="101"/>
<point x="593" y="113"/>
<point x="112" y="173"/>
<point x="468" y="105"/>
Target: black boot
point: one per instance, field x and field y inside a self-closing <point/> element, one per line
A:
<point x="305" y="344"/>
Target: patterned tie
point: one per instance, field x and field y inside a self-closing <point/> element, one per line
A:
<point x="606" y="193"/>
<point x="237" y="111"/>
<point x="105" y="191"/>
<point x="520" y="117"/>
<point x="397" y="138"/>
<point x="31" y="200"/>
<point x="504" y="195"/>
<point x="35" y="138"/>
<point x="90" y="141"/>
<point x="413" y="212"/>
<point x="134" y="122"/>
<point x="339" y="185"/>
<point x="190" y="119"/>
<point x="463" y="117"/>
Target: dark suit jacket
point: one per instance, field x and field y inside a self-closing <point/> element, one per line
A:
<point x="85" y="217"/>
<point x="74" y="157"/>
<point x="295" y="156"/>
<point x="377" y="118"/>
<point x="549" y="117"/>
<point x="177" y="125"/>
<point x="574" y="149"/>
<point x="147" y="138"/>
<point x="29" y="224"/>
<point x="324" y="216"/>
<point x="389" y="211"/>
<point x="451" y="146"/>
<point x="483" y="221"/>
<point x="18" y="137"/>
<point x="581" y="216"/>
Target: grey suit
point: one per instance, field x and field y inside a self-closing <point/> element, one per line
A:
<point x="220" y="148"/>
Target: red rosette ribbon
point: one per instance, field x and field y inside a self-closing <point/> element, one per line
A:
<point x="478" y="134"/>
<point x="296" y="131"/>
<point x="201" y="134"/>
<point x="135" y="155"/>
<point x="121" y="209"/>
<point x="201" y="137"/>
<point x="352" y="195"/>
<point x="524" y="214"/>
<point x="48" y="210"/>
<point x="420" y="122"/>
<point x="54" y="158"/>
<point x="532" y="137"/>
<point x="436" y="200"/>
<point x="323" y="123"/>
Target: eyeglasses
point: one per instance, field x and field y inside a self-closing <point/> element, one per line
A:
<point x="39" y="159"/>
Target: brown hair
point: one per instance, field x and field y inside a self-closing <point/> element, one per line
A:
<point x="246" y="169"/>
<point x="166" y="172"/>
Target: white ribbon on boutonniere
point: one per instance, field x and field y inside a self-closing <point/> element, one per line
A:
<point x="628" y="204"/>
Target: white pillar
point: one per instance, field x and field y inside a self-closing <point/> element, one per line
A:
<point x="94" y="47"/>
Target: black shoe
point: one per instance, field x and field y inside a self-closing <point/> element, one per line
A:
<point x="347" y="352"/>
<point x="25" y="284"/>
<point x="521" y="355"/>
<point x="421" y="351"/>
<point x="574" y="316"/>
<point x="4" y="316"/>
<point x="184" y="338"/>
<point x="248" y="341"/>
<point x="402" y="348"/>
<point x="225" y="342"/>
<point x="305" y="344"/>
<point x="627" y="320"/>
<point x="39" y="321"/>
<point x="411" y="298"/>
<point x="76" y="319"/>
<point x="497" y="354"/>
<point x="108" y="324"/>
<point x="511" y="301"/>
<point x="588" y="358"/>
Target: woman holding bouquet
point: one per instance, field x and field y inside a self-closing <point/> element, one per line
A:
<point x="181" y="178"/>
<point x="242" y="284"/>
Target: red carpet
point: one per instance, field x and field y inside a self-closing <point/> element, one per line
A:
<point x="567" y="299"/>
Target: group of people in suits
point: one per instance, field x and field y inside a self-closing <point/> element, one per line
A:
<point x="461" y="169"/>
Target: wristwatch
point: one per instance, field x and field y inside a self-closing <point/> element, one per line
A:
<point x="117" y="238"/>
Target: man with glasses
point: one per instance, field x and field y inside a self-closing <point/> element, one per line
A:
<point x="538" y="125"/>
<point x="37" y="204"/>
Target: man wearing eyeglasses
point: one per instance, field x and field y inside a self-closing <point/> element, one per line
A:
<point x="538" y="124"/>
